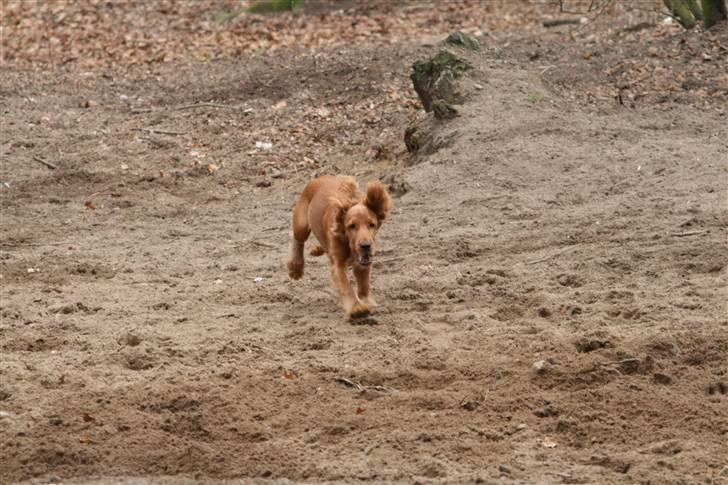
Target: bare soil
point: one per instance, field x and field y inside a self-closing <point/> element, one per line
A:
<point x="552" y="282"/>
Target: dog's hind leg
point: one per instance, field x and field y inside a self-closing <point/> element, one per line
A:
<point x="301" y="231"/>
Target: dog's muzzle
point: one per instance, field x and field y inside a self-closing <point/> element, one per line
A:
<point x="364" y="255"/>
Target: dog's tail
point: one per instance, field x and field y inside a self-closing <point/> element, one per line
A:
<point x="316" y="251"/>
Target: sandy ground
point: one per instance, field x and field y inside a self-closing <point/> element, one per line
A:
<point x="552" y="282"/>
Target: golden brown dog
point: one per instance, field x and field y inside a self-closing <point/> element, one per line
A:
<point x="345" y="222"/>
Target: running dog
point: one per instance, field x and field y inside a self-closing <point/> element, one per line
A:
<point x="345" y="222"/>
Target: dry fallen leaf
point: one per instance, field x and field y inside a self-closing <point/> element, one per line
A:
<point x="280" y="105"/>
<point x="90" y="205"/>
<point x="85" y="440"/>
<point x="87" y="417"/>
<point x="360" y="410"/>
<point x="289" y="374"/>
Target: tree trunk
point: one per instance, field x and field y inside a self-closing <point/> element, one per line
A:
<point x="681" y="10"/>
<point x="695" y="9"/>
<point x="713" y="12"/>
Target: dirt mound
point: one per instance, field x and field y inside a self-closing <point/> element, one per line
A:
<point x="551" y="281"/>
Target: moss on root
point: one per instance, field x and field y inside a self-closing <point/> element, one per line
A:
<point x="443" y="60"/>
<point x="461" y="39"/>
<point x="265" y="6"/>
<point x="433" y="79"/>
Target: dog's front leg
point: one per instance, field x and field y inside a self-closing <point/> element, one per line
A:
<point x="353" y="307"/>
<point x="363" y="275"/>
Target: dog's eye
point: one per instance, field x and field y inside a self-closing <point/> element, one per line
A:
<point x="372" y="225"/>
<point x="351" y="226"/>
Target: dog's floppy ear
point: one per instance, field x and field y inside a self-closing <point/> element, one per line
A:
<point x="378" y="200"/>
<point x="338" y="211"/>
<point x="341" y="202"/>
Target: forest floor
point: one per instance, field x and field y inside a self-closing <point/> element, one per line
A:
<point x="552" y="282"/>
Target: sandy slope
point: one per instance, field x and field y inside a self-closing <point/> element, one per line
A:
<point x="161" y="337"/>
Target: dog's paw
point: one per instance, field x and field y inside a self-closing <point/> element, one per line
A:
<point x="316" y="251"/>
<point x="359" y="310"/>
<point x="295" y="269"/>
<point x="369" y="301"/>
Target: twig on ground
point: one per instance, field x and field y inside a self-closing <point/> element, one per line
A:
<point x="140" y="110"/>
<point x="262" y="244"/>
<point x="159" y="132"/>
<point x="378" y="388"/>
<point x="348" y="382"/>
<point x="620" y="362"/>
<point x="559" y="253"/>
<point x="33" y="245"/>
<point x="47" y="164"/>
<point x="359" y="387"/>
<point x="395" y="258"/>
<point x="559" y="22"/>
<point x="204" y="105"/>
<point x="273" y="228"/>
<point x="689" y="233"/>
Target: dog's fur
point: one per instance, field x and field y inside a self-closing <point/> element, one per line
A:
<point x="345" y="222"/>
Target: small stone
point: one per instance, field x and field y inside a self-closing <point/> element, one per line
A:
<point x="544" y="312"/>
<point x="443" y="111"/>
<point x="660" y="378"/>
<point x="264" y="182"/>
<point x="132" y="340"/>
<point x="504" y="469"/>
<point x="548" y="443"/>
<point x="540" y="366"/>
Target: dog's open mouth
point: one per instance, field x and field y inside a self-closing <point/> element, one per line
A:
<point x="364" y="259"/>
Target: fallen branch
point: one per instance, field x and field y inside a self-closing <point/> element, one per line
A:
<point x="47" y="164"/>
<point x="559" y="22"/>
<point x="689" y="233"/>
<point x="559" y="253"/>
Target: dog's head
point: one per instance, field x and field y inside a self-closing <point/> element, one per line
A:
<point x="359" y="217"/>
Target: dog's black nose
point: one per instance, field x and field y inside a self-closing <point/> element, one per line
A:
<point x="365" y="246"/>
